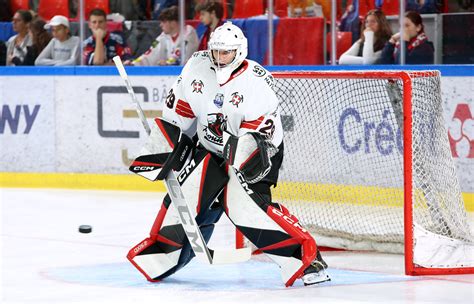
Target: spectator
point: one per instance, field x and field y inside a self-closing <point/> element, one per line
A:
<point x="16" y="45"/>
<point x="5" y="11"/>
<point x="418" y="49"/>
<point x="165" y="50"/>
<point x="350" y="22"/>
<point x="422" y="6"/>
<point x="368" y="49"/>
<point x="63" y="49"/>
<point x="3" y="53"/>
<point x="39" y="38"/>
<point x="210" y="13"/>
<point x="130" y="9"/>
<point x="102" y="46"/>
<point x="160" y="5"/>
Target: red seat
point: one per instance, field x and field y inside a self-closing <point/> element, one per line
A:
<point x="343" y="42"/>
<point x="93" y="4"/>
<point x="365" y="6"/>
<point x="292" y="49"/>
<point x="281" y="8"/>
<point x="19" y="4"/>
<point x="47" y="9"/>
<point x="247" y="8"/>
<point x="391" y="7"/>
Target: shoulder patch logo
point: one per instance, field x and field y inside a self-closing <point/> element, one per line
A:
<point x="236" y="99"/>
<point x="197" y="86"/>
<point x="258" y="71"/>
<point x="269" y="80"/>
<point x="219" y="100"/>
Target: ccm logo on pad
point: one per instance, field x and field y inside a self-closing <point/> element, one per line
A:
<point x="288" y="219"/>
<point x="143" y="168"/>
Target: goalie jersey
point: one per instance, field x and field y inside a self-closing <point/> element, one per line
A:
<point x="245" y="103"/>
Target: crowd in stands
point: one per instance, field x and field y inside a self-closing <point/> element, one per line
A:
<point x="377" y="45"/>
<point x="50" y="42"/>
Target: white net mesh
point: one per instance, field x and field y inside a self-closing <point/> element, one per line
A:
<point x="342" y="174"/>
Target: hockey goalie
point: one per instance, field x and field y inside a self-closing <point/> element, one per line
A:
<point x="221" y="132"/>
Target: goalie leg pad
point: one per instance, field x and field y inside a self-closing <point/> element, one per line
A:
<point x="167" y="249"/>
<point x="270" y="227"/>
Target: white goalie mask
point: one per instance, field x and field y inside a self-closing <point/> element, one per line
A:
<point x="227" y="37"/>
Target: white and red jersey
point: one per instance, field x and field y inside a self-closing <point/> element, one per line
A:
<point x="245" y="103"/>
<point x="167" y="48"/>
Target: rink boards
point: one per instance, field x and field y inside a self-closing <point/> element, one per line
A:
<point x="55" y="122"/>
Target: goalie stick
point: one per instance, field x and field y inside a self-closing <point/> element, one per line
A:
<point x="187" y="217"/>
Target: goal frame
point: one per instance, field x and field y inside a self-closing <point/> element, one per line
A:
<point x="406" y="79"/>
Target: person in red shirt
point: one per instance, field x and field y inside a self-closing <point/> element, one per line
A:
<point x="210" y="14"/>
<point x="102" y="46"/>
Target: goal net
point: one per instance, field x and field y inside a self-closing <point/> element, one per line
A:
<point x="368" y="166"/>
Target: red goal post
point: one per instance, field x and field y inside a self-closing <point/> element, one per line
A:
<point x="367" y="166"/>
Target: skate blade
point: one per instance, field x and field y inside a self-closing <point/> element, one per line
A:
<point x="315" y="278"/>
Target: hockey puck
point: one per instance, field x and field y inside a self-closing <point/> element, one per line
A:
<point x="85" y="229"/>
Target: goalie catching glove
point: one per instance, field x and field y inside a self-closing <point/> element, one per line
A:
<point x="250" y="154"/>
<point x="167" y="149"/>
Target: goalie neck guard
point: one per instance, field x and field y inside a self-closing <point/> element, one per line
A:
<point x="227" y="37"/>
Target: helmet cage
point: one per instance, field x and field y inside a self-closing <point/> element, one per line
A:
<point x="227" y="37"/>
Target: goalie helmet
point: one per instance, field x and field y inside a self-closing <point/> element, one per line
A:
<point x="227" y="37"/>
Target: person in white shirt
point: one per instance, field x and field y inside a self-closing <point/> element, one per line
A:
<point x="368" y="49"/>
<point x="166" y="49"/>
<point x="63" y="49"/>
<point x="227" y="102"/>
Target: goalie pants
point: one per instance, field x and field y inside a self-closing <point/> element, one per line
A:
<point x="212" y="188"/>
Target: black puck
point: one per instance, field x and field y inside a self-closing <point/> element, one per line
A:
<point x="85" y="229"/>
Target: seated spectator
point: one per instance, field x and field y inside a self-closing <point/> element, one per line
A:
<point x="418" y="49"/>
<point x="5" y="11"/>
<point x="63" y="49"/>
<point x="102" y="46"/>
<point x="16" y="45"/>
<point x="129" y="9"/>
<point x="39" y="40"/>
<point x="368" y="49"/>
<point x="210" y="14"/>
<point x="3" y="53"/>
<point x="165" y="50"/>
<point x="158" y="6"/>
<point x="422" y="6"/>
<point x="350" y="22"/>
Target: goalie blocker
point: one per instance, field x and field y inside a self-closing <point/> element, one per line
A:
<point x="212" y="187"/>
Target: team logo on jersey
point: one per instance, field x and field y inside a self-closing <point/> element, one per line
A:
<point x="236" y="99"/>
<point x="215" y="125"/>
<point x="258" y="71"/>
<point x="197" y="86"/>
<point x="219" y="100"/>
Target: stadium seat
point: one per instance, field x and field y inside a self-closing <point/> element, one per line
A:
<point x="19" y="4"/>
<point x="92" y="4"/>
<point x="292" y="49"/>
<point x="343" y="42"/>
<point x="391" y="7"/>
<point x="247" y="8"/>
<point x="281" y="8"/>
<point x="365" y="6"/>
<point x="47" y="9"/>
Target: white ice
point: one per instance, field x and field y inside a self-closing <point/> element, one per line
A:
<point x="46" y="260"/>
